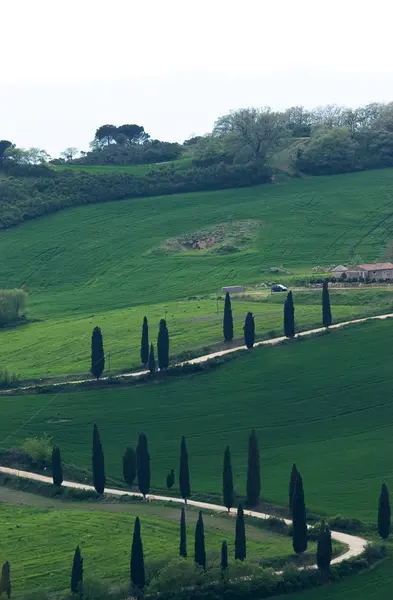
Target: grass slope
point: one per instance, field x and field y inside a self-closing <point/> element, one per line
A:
<point x="323" y="403"/>
<point x="138" y="170"/>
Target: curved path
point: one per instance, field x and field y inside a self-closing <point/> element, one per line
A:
<point x="355" y="544"/>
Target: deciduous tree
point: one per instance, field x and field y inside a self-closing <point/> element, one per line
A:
<point x="200" y="551"/>
<point x="326" y="310"/>
<point x="289" y="317"/>
<point x="145" y="342"/>
<point x="384" y="513"/>
<point x="143" y="465"/>
<point x="184" y="472"/>
<point x="240" y="536"/>
<point x="77" y="572"/>
<point x="106" y="134"/>
<point x="163" y="346"/>
<point x="137" y="562"/>
<point x="299" y="522"/>
<point x="249" y="331"/>
<point x="97" y="353"/>
<point x="57" y="469"/>
<point x="227" y="480"/>
<point x="98" y="463"/>
<point x="129" y="466"/>
<point x="228" y="319"/>
<point x="183" y="534"/>
<point x="253" y="470"/>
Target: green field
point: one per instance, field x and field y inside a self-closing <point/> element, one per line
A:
<point x="138" y="170"/>
<point x="324" y="403"/>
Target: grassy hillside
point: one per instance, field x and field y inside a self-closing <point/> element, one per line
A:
<point x="323" y="403"/>
<point x="138" y="170"/>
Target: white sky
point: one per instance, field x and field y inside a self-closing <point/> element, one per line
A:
<point x="174" y="66"/>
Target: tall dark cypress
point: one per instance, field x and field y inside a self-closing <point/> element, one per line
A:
<point x="5" y="582"/>
<point x="224" y="556"/>
<point x="143" y="465"/>
<point x="163" y="346"/>
<point x="137" y="562"/>
<point x="200" y="551"/>
<point x="77" y="572"/>
<point x="227" y="480"/>
<point x="129" y="466"/>
<point x="324" y="549"/>
<point x="326" y="310"/>
<point x="98" y="463"/>
<point x="299" y="522"/>
<point x="184" y="472"/>
<point x="145" y="342"/>
<point x="183" y="534"/>
<point x="152" y="361"/>
<point x="289" y="317"/>
<point x="170" y="479"/>
<point x="228" y="319"/>
<point x="292" y="483"/>
<point x="240" y="536"/>
<point x="57" y="469"/>
<point x="97" y="353"/>
<point x="249" y="330"/>
<point x="384" y="525"/>
<point x="253" y="471"/>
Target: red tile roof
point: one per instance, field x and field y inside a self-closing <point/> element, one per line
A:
<point x="376" y="267"/>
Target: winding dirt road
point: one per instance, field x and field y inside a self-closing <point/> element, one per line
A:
<point x="355" y="544"/>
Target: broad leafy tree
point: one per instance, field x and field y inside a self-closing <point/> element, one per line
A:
<point x="77" y="572"/>
<point x="98" y="463"/>
<point x="289" y="317"/>
<point x="97" y="353"/>
<point x="240" y="535"/>
<point x="228" y="319"/>
<point x="143" y="465"/>
<point x="200" y="550"/>
<point x="131" y="134"/>
<point x="299" y="522"/>
<point x="253" y="471"/>
<point x="249" y="330"/>
<point x="163" y="346"/>
<point x="384" y="513"/>
<point x="57" y="469"/>
<point x="326" y="310"/>
<point x="106" y="134"/>
<point x="227" y="480"/>
<point x="145" y="342"/>
<point x="129" y="466"/>
<point x="324" y="549"/>
<point x="183" y="534"/>
<point x="184" y="472"/>
<point x="4" y="145"/>
<point x="137" y="561"/>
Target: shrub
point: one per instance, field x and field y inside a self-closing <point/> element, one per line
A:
<point x="343" y="524"/>
<point x="8" y="379"/>
<point x="39" y="449"/>
<point x="12" y="305"/>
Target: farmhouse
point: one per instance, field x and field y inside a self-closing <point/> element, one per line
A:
<point x="366" y="271"/>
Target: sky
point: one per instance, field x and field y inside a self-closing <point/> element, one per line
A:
<point x="174" y="66"/>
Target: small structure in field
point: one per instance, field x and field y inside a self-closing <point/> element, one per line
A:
<point x="233" y="289"/>
<point x="367" y="272"/>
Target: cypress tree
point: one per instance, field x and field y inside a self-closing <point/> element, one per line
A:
<point x="163" y="346"/>
<point x="143" y="465"/>
<point x="289" y="317"/>
<point x="57" y="469"/>
<point x="184" y="473"/>
<point x="170" y="479"/>
<point x="145" y="342"/>
<point x="384" y="526"/>
<point x="299" y="523"/>
<point x="137" y="562"/>
<point x="227" y="480"/>
<point x="129" y="466"/>
<point x="98" y="463"/>
<point x="324" y="549"/>
<point x="97" y="353"/>
<point x="326" y="311"/>
<point x="240" y="536"/>
<point x="200" y="551"/>
<point x="228" y="319"/>
<point x="249" y="331"/>
<point x="183" y="534"/>
<point x="77" y="572"/>
<point x="5" y="583"/>
<point x="292" y="483"/>
<point x="253" y="471"/>
<point x="224" y="556"/>
<point x="152" y="361"/>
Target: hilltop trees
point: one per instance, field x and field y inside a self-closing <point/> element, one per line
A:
<point x="184" y="472"/>
<point x="384" y="513"/>
<point x="326" y="310"/>
<point x="228" y="319"/>
<point x="5" y="581"/>
<point x="240" y="535"/>
<point x="163" y="346"/>
<point x="129" y="466"/>
<point x="249" y="331"/>
<point x="143" y="465"/>
<point x="324" y="549"/>
<point x="299" y="522"/>
<point x="137" y="561"/>
<point x="152" y="361"/>
<point x="183" y="534"/>
<point x="97" y="353"/>
<point x="200" y="551"/>
<point x="289" y="317"/>
<point x="57" y="469"/>
<point x="227" y="480"/>
<point x="145" y="342"/>
<point x="292" y="483"/>
<point x="98" y="464"/>
<point x="253" y="470"/>
<point x="77" y="572"/>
